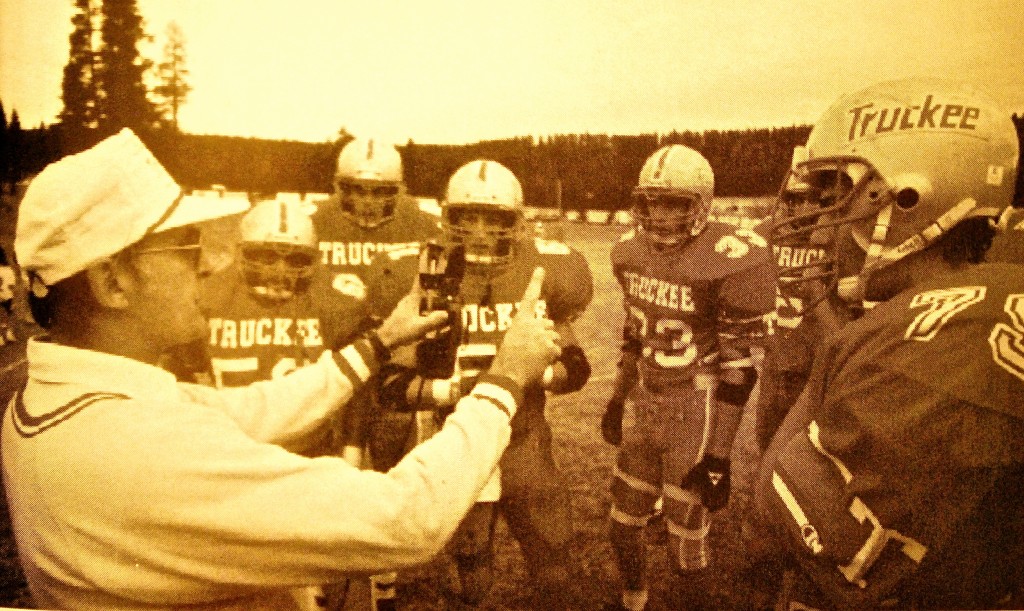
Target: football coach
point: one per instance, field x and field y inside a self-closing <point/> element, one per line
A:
<point x="130" y="490"/>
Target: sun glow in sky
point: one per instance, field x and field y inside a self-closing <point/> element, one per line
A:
<point x="450" y="71"/>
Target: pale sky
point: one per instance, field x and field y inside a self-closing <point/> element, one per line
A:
<point x="447" y="71"/>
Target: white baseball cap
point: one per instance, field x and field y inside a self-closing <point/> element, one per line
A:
<point x="86" y="207"/>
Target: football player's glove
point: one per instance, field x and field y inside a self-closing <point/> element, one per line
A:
<point x="710" y="479"/>
<point x="611" y="421"/>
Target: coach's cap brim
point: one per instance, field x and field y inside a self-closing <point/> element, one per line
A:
<point x="86" y="207"/>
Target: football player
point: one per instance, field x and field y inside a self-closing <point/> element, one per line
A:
<point x="482" y="217"/>
<point x="807" y="311"/>
<point x="894" y="480"/>
<point x="370" y="212"/>
<point x="273" y="310"/>
<point x="804" y="284"/>
<point x="695" y="295"/>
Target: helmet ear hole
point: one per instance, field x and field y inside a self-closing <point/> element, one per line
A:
<point x="907" y="198"/>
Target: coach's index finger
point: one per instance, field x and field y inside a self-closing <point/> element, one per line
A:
<point x="532" y="293"/>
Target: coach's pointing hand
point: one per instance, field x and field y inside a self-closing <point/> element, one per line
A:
<point x="530" y="344"/>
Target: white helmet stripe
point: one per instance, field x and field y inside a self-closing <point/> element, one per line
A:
<point x="661" y="163"/>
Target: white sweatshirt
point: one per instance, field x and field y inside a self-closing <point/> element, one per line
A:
<point x="129" y="490"/>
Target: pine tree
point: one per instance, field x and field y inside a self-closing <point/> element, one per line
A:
<point x="78" y="88"/>
<point x="123" y="102"/>
<point x="15" y="137"/>
<point x="173" y="89"/>
<point x="5" y="154"/>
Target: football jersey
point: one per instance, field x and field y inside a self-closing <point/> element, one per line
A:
<point x="490" y="304"/>
<point x="721" y="285"/>
<point x="254" y="339"/>
<point x="347" y="249"/>
<point x="913" y="407"/>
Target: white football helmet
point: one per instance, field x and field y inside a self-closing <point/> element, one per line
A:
<point x="483" y="211"/>
<point x="279" y="249"/>
<point x="680" y="179"/>
<point x="368" y="181"/>
<point x="900" y="163"/>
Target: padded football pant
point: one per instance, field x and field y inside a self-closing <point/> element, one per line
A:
<point x="536" y="507"/>
<point x="668" y="438"/>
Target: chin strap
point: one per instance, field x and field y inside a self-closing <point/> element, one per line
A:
<point x="853" y="288"/>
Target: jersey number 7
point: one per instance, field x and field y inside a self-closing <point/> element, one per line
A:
<point x="1006" y="339"/>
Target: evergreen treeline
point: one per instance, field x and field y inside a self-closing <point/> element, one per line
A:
<point x="585" y="171"/>
<point x="588" y="171"/>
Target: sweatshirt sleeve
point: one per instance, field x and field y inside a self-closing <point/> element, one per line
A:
<point x="286" y="409"/>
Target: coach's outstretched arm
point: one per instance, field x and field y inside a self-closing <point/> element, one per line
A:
<point x="366" y="521"/>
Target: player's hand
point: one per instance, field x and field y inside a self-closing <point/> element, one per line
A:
<point x="405" y="324"/>
<point x="611" y="421"/>
<point x="530" y="344"/>
<point x="710" y="479"/>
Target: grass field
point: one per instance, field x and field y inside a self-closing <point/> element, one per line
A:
<point x="586" y="462"/>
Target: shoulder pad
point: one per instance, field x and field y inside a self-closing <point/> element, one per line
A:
<point x="736" y="242"/>
<point x="428" y="205"/>
<point x="551" y="247"/>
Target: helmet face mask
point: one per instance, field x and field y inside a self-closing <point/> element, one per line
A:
<point x="277" y="271"/>
<point x="668" y="220"/>
<point x="278" y="250"/>
<point x="913" y="158"/>
<point x="815" y="203"/>
<point x="368" y="181"/>
<point x="368" y="203"/>
<point x="483" y="212"/>
<point x="672" y="200"/>
<point x="488" y="234"/>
